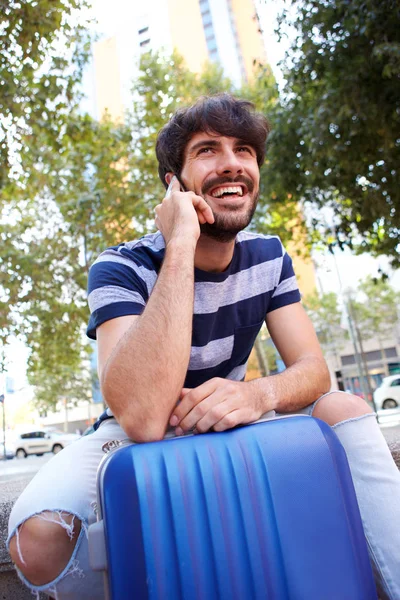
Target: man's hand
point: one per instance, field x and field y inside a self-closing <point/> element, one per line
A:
<point x="217" y="404"/>
<point x="179" y="214"/>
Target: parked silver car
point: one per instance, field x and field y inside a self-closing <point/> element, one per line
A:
<point x="387" y="395"/>
<point x="39" y="441"/>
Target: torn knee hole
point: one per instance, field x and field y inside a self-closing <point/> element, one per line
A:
<point x="28" y="529"/>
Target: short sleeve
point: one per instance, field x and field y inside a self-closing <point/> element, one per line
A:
<point x="287" y="290"/>
<point x="117" y="286"/>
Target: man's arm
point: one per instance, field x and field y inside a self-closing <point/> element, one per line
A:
<point x="143" y="360"/>
<point x="221" y="404"/>
<point x="306" y="377"/>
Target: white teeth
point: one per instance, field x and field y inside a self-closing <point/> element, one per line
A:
<point x="233" y="189"/>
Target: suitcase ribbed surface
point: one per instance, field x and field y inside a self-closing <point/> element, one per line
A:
<point x="264" y="511"/>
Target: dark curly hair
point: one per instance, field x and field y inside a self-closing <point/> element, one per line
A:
<point x="222" y="114"/>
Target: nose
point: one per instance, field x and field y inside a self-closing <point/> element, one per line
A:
<point x="229" y="163"/>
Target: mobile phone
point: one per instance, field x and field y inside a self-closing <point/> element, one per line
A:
<point x="169" y="189"/>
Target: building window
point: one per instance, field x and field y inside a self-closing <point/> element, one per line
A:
<point x="372" y="356"/>
<point x="209" y="30"/>
<point x="143" y="30"/>
<point x="213" y="55"/>
<point x="237" y="44"/>
<point x="144" y="43"/>
<point x="207" y="19"/>
<point x="211" y="44"/>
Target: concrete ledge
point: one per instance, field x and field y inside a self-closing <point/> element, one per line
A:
<point x="11" y="587"/>
<point x="395" y="450"/>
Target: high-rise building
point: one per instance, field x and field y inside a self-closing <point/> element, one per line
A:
<point x="224" y="31"/>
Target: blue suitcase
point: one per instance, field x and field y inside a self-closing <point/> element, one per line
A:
<point x="265" y="511"/>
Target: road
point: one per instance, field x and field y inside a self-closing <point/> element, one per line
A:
<point x="12" y="470"/>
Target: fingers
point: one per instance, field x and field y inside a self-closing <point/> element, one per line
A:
<point x="190" y="398"/>
<point x="214" y="403"/>
<point x="180" y="214"/>
<point x="230" y="420"/>
<point x="217" y="404"/>
<point x="204" y="212"/>
<point x="216" y="412"/>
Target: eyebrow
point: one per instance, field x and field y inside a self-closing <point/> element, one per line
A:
<point x="201" y="143"/>
<point x="244" y="143"/>
<point x="215" y="143"/>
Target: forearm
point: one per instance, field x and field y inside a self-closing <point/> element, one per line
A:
<point x="145" y="373"/>
<point x="299" y="385"/>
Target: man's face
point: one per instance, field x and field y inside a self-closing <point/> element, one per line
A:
<point x="224" y="171"/>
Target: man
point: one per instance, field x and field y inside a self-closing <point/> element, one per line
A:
<point x="175" y="315"/>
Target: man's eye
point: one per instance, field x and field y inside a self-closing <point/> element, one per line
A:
<point x="244" y="149"/>
<point x="204" y="150"/>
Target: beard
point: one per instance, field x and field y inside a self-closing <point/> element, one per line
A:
<point x="233" y="219"/>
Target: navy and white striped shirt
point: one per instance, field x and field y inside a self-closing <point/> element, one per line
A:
<point x="229" y="307"/>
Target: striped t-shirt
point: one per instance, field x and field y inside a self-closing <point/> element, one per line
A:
<point x="229" y="307"/>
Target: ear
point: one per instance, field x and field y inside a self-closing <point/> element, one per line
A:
<point x="168" y="177"/>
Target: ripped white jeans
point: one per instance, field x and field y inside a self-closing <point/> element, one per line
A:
<point x="67" y="484"/>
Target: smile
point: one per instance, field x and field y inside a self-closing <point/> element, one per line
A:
<point x="231" y="190"/>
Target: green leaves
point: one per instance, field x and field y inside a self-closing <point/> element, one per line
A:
<point x="376" y="313"/>
<point x="43" y="48"/>
<point x="42" y="52"/>
<point x="326" y="315"/>
<point x="343" y="117"/>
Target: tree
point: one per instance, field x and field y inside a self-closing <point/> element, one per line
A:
<point x="376" y="313"/>
<point x="75" y="208"/>
<point x="43" y="47"/>
<point x="278" y="211"/>
<point x="338" y="133"/>
<point x="326" y="315"/>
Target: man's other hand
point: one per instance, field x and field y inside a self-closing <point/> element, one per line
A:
<point x="217" y="404"/>
<point x="180" y="213"/>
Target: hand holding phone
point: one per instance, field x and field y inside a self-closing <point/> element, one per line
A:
<point x="180" y="213"/>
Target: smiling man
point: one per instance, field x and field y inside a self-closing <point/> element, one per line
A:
<point x="175" y="315"/>
<point x="209" y="286"/>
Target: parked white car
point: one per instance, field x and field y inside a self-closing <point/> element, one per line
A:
<point x="387" y="395"/>
<point x="39" y="441"/>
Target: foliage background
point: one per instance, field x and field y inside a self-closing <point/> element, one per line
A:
<point x="71" y="186"/>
